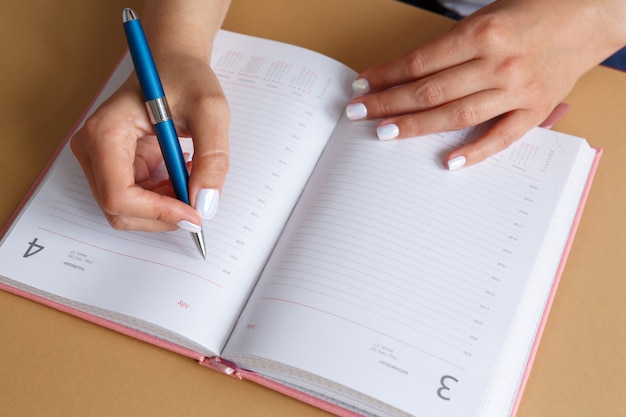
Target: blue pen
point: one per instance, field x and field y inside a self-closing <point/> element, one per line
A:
<point x="159" y="112"/>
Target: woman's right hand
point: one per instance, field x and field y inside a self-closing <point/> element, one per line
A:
<point x="117" y="148"/>
<point x="118" y="151"/>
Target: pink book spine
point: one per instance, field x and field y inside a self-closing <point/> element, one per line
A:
<point x="231" y="369"/>
<point x="299" y="395"/>
<point x="105" y="323"/>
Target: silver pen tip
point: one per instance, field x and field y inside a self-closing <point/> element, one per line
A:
<point x="129" y="14"/>
<point x="198" y="239"/>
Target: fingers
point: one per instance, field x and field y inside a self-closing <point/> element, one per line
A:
<point x="120" y="156"/>
<point x="432" y="105"/>
<point x="442" y="53"/>
<point x="106" y="147"/>
<point x="210" y="137"/>
<point x="209" y="125"/>
<point x="462" y="79"/>
<point x="469" y="111"/>
<point x="498" y="137"/>
<point x="424" y="94"/>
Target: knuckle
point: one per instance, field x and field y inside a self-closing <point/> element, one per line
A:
<point x="75" y="145"/>
<point x="110" y="205"/>
<point x="497" y="142"/>
<point x="532" y="88"/>
<point x="95" y="126"/>
<point x="429" y="95"/>
<point x="416" y="63"/>
<point x="506" y="67"/>
<point x="118" y="222"/>
<point x="87" y="131"/>
<point x="165" y="212"/>
<point x="210" y="166"/>
<point x="464" y="116"/>
<point x="413" y="126"/>
<point x="506" y="137"/>
<point x="378" y="105"/>
<point x="220" y="162"/>
<point x="491" y="31"/>
<point x="381" y="106"/>
<point x="482" y="153"/>
<point x="90" y="126"/>
<point x="514" y="70"/>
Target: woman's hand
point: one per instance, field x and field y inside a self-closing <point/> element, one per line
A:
<point x="119" y="153"/>
<point x="515" y="58"/>
<point x="116" y="146"/>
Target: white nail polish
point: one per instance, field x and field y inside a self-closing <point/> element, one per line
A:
<point x="356" y="111"/>
<point x="207" y="201"/>
<point x="188" y="226"/>
<point x="361" y="86"/>
<point x="456" y="162"/>
<point x="388" y="132"/>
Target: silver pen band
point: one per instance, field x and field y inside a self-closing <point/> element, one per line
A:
<point x="158" y="110"/>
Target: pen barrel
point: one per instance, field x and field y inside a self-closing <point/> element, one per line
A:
<point x="158" y="111"/>
<point x="154" y="96"/>
<point x="143" y="61"/>
<point x="173" y="158"/>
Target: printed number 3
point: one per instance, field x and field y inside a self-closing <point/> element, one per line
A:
<point x="441" y="392"/>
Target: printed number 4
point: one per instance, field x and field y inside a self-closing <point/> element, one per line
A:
<point x="33" y="249"/>
<point x="444" y="388"/>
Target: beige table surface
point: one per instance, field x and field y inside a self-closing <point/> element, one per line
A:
<point x="55" y="55"/>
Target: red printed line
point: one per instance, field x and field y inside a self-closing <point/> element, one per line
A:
<point x="368" y="328"/>
<point x="133" y="257"/>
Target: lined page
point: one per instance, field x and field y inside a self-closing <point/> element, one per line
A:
<point x="285" y="102"/>
<point x="397" y="279"/>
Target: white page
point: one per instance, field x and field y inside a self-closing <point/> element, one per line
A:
<point x="285" y="102"/>
<point x="399" y="279"/>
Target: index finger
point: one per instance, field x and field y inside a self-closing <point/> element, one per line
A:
<point x="445" y="51"/>
<point x="124" y="202"/>
<point x="209" y="126"/>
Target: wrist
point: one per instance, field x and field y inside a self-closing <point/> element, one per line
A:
<point x="183" y="27"/>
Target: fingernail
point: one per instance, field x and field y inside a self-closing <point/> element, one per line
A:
<point x="388" y="132"/>
<point x="188" y="226"/>
<point x="207" y="201"/>
<point x="361" y="86"/>
<point x="356" y="111"/>
<point x="456" y="162"/>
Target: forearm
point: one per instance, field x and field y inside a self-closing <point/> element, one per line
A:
<point x="183" y="26"/>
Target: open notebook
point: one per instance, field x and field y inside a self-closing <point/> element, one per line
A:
<point x="354" y="274"/>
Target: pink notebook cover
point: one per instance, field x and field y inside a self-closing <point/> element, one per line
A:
<point x="226" y="368"/>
